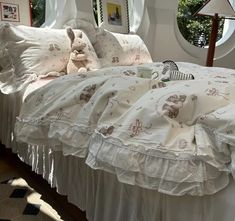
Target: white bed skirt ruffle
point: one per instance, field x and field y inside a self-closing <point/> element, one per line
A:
<point x="157" y="172"/>
<point x="104" y="198"/>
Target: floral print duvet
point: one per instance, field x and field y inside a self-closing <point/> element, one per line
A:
<point x="175" y="137"/>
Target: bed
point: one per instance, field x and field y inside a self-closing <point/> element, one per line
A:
<point x="123" y="146"/>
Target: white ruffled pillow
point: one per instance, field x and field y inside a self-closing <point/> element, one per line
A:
<point x="116" y="49"/>
<point x="35" y="52"/>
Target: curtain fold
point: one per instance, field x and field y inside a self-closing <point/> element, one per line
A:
<point x="136" y="11"/>
<point x="58" y="12"/>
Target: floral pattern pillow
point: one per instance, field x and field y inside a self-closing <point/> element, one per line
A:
<point x="38" y="52"/>
<point x="116" y="49"/>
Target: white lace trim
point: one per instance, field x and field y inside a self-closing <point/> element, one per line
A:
<point x="171" y="176"/>
<point x="71" y="139"/>
<point x="168" y="172"/>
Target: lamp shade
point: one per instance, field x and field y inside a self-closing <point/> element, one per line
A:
<point x="215" y="9"/>
<point x="221" y="7"/>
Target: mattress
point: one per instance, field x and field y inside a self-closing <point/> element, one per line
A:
<point x="99" y="193"/>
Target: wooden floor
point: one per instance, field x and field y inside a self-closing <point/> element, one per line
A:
<point x="10" y="165"/>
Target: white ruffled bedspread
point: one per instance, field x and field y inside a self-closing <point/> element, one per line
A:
<point x="175" y="137"/>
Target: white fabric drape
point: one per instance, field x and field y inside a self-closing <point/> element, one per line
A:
<point x="59" y="12"/>
<point x="136" y="11"/>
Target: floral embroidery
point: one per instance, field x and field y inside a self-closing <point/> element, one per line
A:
<point x="136" y="128"/>
<point x="106" y="131"/>
<point x="87" y="93"/>
<point x="115" y="60"/>
<point x="173" y="104"/>
<point x="52" y="47"/>
<point x="159" y="85"/>
<point x="215" y="92"/>
<point x="57" y="47"/>
<point x="129" y="73"/>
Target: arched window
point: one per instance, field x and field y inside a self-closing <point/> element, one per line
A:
<point x="195" y="29"/>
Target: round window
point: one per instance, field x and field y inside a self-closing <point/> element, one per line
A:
<point x="195" y="29"/>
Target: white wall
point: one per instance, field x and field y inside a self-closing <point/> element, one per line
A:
<point x="24" y="11"/>
<point x="166" y="42"/>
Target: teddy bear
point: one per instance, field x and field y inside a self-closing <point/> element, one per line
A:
<point x="78" y="59"/>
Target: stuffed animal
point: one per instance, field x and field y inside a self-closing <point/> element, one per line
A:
<point x="78" y="59"/>
<point x="171" y="72"/>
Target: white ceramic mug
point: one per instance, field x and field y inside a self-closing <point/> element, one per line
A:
<point x="145" y="72"/>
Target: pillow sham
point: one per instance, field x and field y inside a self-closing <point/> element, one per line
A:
<point x="116" y="49"/>
<point x="37" y="53"/>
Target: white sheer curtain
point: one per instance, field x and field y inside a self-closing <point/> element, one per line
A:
<point x="136" y="11"/>
<point x="59" y="12"/>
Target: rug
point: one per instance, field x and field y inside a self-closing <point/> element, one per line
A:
<point x="20" y="202"/>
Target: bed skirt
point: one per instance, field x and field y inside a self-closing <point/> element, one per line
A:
<point x="100" y="194"/>
<point x="104" y="198"/>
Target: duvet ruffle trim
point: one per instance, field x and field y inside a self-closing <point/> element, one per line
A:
<point x="169" y="172"/>
<point x="59" y="135"/>
<point x="174" y="176"/>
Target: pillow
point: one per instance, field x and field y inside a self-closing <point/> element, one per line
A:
<point x="38" y="52"/>
<point x="116" y="49"/>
